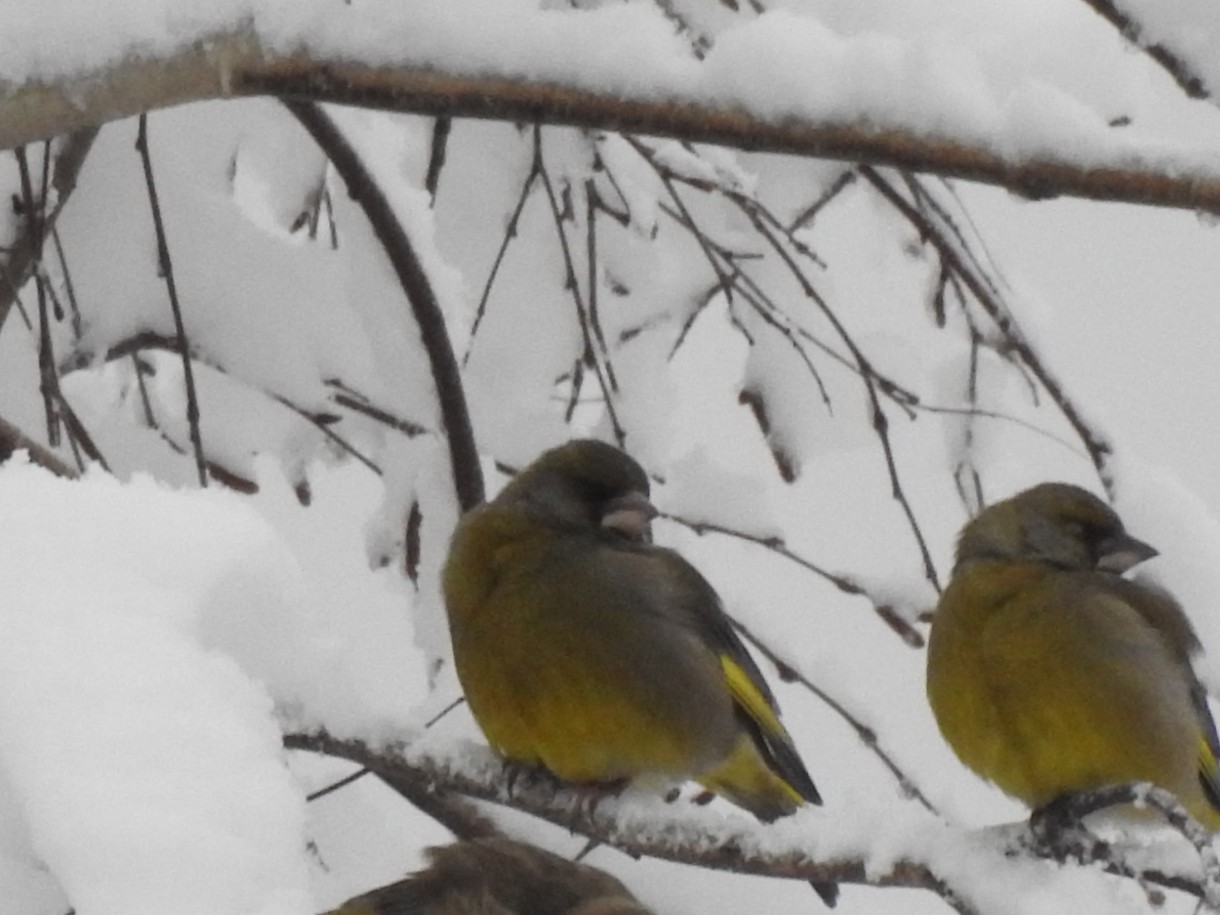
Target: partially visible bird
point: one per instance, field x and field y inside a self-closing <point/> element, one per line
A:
<point x="497" y="876"/>
<point x="586" y="649"/>
<point x="1050" y="674"/>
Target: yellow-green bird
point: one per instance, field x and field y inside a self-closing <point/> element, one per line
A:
<point x="1049" y="673"/>
<point x="497" y="876"/>
<point x="588" y="650"/>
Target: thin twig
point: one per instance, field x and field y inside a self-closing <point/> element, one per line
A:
<point x="807" y="215"/>
<point x="338" y="785"/>
<point x="166" y="268"/>
<point x="358" y="403"/>
<point x="1190" y="82"/>
<point x="510" y="232"/>
<point x="601" y="366"/>
<point x="322" y="424"/>
<point x="867" y="735"/>
<point x="592" y="206"/>
<point x="1097" y="446"/>
<point x="436" y="158"/>
<point x="880" y="422"/>
<point x="844" y="583"/>
<point x="69" y="287"/>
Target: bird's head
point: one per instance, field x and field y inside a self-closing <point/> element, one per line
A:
<point x="585" y="484"/>
<point x="1054" y="523"/>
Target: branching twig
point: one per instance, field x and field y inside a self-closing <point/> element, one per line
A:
<point x="24" y="254"/>
<point x="880" y="422"/>
<point x="600" y="363"/>
<point x="807" y="215"/>
<point x="48" y="381"/>
<point x="1098" y="447"/>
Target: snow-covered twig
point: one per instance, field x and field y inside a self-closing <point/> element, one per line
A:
<point x="969" y="869"/>
<point x="238" y="62"/>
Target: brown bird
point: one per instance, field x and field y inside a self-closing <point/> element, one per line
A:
<point x="1049" y="673"/>
<point x="497" y="876"/>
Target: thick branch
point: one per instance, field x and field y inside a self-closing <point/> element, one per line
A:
<point x="236" y="64"/>
<point x="940" y="858"/>
<point x="695" y="836"/>
<point x="464" y="458"/>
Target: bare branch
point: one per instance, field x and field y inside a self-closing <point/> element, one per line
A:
<point x="844" y="583"/>
<point x="1095" y="443"/>
<point x="464" y="458"/>
<point x="25" y="254"/>
<point x="867" y="735"/>
<point x="165" y="266"/>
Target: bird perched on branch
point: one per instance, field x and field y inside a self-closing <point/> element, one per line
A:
<point x="1050" y="674"/>
<point x="497" y="876"/>
<point x="587" y="650"/>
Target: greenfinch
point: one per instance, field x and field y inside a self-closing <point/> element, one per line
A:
<point x="586" y="649"/>
<point x="497" y="876"/>
<point x="1049" y="673"/>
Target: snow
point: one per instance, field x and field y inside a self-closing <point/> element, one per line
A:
<point x="158" y="640"/>
<point x="781" y="64"/>
<point x="147" y="767"/>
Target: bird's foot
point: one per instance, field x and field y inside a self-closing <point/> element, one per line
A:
<point x="1057" y="831"/>
<point x="588" y="795"/>
<point x="525" y="776"/>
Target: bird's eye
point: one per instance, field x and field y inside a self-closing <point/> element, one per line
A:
<point x="1078" y="529"/>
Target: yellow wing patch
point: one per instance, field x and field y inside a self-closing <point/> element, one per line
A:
<point x="746" y="694"/>
<point x="1209" y="772"/>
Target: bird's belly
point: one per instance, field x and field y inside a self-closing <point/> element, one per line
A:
<point x="588" y="720"/>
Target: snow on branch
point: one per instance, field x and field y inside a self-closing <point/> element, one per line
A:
<point x="861" y="98"/>
<point x="973" y="871"/>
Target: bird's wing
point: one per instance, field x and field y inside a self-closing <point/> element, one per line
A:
<point x="1162" y="611"/>
<point x="693" y="604"/>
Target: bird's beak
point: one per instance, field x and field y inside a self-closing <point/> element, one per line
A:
<point x="1121" y="552"/>
<point x="629" y="515"/>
